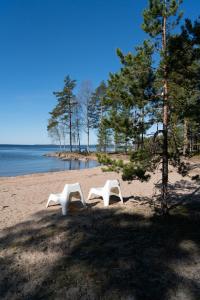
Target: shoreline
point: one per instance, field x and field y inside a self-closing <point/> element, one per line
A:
<point x="45" y="173"/>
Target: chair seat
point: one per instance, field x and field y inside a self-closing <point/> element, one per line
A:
<point x="97" y="191"/>
<point x="55" y="196"/>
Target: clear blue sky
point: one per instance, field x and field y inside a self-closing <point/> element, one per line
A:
<point x="41" y="41"/>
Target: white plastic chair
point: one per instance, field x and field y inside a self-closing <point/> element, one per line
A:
<point x="111" y="187"/>
<point x="64" y="198"/>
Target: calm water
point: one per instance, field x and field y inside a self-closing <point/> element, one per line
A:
<point x="24" y="159"/>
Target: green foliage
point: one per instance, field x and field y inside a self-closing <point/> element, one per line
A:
<point x="104" y="159"/>
<point x="130" y="171"/>
<point x="128" y="95"/>
<point x="66" y="99"/>
<point x="157" y="9"/>
<point x="133" y="171"/>
<point x="140" y="155"/>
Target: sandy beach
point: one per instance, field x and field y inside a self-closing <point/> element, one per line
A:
<point x="22" y="197"/>
<point x="119" y="252"/>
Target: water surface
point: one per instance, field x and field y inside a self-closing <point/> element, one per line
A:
<point x="25" y="159"/>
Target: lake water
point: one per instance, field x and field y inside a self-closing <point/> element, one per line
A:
<point x="25" y="159"/>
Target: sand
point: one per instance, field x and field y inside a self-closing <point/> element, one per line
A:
<point x="23" y="196"/>
<point x="120" y="252"/>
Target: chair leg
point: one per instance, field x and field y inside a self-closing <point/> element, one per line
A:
<point x="65" y="204"/>
<point x="89" y="195"/>
<point x="82" y="197"/>
<point x="64" y="209"/>
<point x="48" y="202"/>
<point x="120" y="195"/>
<point x="121" y="198"/>
<point x="106" y="199"/>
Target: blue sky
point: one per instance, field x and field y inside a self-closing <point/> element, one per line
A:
<point x="41" y="41"/>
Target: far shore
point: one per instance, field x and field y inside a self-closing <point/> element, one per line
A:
<point x="67" y="155"/>
<point x="83" y="156"/>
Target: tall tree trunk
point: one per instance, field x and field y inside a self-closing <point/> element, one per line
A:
<point x="191" y="141"/>
<point x="185" y="138"/>
<point x="142" y="138"/>
<point x="78" y="135"/>
<point x="88" y="127"/>
<point x="88" y="139"/>
<point x="125" y="146"/>
<point x="105" y="143"/>
<point x="102" y="142"/>
<point x="115" y="141"/>
<point x="70" y="128"/>
<point x="64" y="145"/>
<point x="165" y="126"/>
<point x="79" y="142"/>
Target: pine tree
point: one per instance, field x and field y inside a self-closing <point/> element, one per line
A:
<point x="65" y="105"/>
<point x="130" y="112"/>
<point x="160" y="18"/>
<point x="128" y="95"/>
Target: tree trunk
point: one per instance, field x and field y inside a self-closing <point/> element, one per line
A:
<point x="165" y="127"/>
<point x="88" y="126"/>
<point x="88" y="140"/>
<point x="115" y="141"/>
<point x="105" y="143"/>
<point x="125" y="147"/>
<point x="142" y="138"/>
<point x="185" y="138"/>
<point x="70" y="128"/>
<point x="79" y="142"/>
<point x="191" y="141"/>
<point x="78" y="135"/>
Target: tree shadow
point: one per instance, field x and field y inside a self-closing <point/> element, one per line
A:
<point x="102" y="253"/>
<point x="112" y="199"/>
<point x="180" y="192"/>
<point x="193" y="166"/>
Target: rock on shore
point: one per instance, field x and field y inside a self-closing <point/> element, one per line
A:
<point x="72" y="156"/>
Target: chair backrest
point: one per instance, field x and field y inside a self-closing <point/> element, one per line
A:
<point x="111" y="184"/>
<point x="64" y="192"/>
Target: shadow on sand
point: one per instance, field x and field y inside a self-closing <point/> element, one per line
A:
<point x="102" y="253"/>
